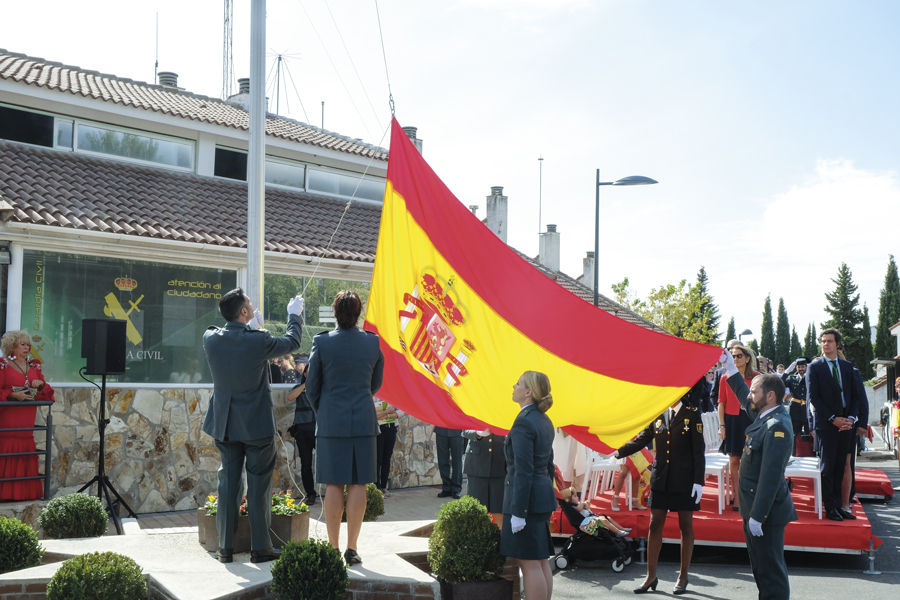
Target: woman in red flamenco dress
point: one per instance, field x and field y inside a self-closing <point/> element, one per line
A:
<point x="17" y="371"/>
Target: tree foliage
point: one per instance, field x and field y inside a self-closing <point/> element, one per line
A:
<point x="767" y="333"/>
<point x="676" y="308"/>
<point x="796" y="348"/>
<point x="708" y="308"/>
<point x="782" y="336"/>
<point x="730" y="333"/>
<point x="888" y="312"/>
<point x="811" y="342"/>
<point x="846" y="317"/>
<point x="867" y="350"/>
<point x="754" y="346"/>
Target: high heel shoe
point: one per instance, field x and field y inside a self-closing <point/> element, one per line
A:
<point x="680" y="590"/>
<point x="614" y="505"/>
<point x="651" y="586"/>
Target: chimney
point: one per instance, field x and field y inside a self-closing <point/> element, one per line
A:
<point x="496" y="212"/>
<point x="242" y="98"/>
<point x="588" y="277"/>
<point x="168" y="79"/>
<point x="474" y="209"/>
<point x="550" y="248"/>
<point x="244" y="85"/>
<point x="411" y="134"/>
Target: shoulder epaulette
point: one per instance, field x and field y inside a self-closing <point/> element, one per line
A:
<point x="322" y="333"/>
<point x="212" y="327"/>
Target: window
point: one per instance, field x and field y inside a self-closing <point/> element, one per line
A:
<point x="167" y="307"/>
<point x="329" y="182"/>
<point x="24" y="126"/>
<point x="101" y="140"/>
<point x="278" y="173"/>
<point x="231" y="164"/>
<point x="64" y="133"/>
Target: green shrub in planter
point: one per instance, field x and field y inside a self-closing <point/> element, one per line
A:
<point x="19" y="547"/>
<point x="98" y="576"/>
<point x="310" y="570"/>
<point x="73" y="516"/>
<point x="465" y="545"/>
<point x="374" y="503"/>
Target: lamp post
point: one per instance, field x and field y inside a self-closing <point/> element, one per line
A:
<point x="632" y="180"/>
<point x="742" y="334"/>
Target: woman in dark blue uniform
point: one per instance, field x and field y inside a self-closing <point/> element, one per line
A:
<point x="676" y="481"/>
<point x="528" y="498"/>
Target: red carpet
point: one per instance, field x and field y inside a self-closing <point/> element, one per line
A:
<point x="873" y="482"/>
<point x="808" y="533"/>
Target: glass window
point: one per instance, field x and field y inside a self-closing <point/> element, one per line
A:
<point x="284" y="174"/>
<point x="28" y="127"/>
<point x="134" y="146"/>
<point x="64" y="134"/>
<point x="324" y="181"/>
<point x="330" y="182"/>
<point x="167" y="309"/>
<point x="231" y="164"/>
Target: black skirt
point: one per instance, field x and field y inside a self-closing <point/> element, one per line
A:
<point x="672" y="501"/>
<point x="735" y="436"/>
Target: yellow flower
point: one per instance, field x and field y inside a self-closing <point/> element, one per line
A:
<point x="212" y="498"/>
<point x="290" y="501"/>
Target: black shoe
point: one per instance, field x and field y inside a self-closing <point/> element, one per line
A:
<point x="848" y="516"/>
<point x="854" y="501"/>
<point x="444" y="494"/>
<point x="310" y="500"/>
<point x="261" y="556"/>
<point x="455" y="495"/>
<point x="224" y="556"/>
<point x="651" y="586"/>
<point x="680" y="590"/>
<point x="352" y="557"/>
<point x="834" y="515"/>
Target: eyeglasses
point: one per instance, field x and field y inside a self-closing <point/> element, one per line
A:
<point x="737" y="356"/>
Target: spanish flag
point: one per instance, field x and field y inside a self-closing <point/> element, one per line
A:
<point x="461" y="316"/>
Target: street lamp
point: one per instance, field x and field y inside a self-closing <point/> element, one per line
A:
<point x="632" y="180"/>
<point x="742" y="334"/>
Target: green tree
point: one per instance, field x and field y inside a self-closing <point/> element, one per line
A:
<point x="767" y="333"/>
<point x="796" y="347"/>
<point x="730" y="333"/>
<point x="672" y="307"/>
<point x="811" y="342"/>
<point x="754" y="346"/>
<point x="888" y="312"/>
<point x="708" y="309"/>
<point x="867" y="350"/>
<point x="846" y="317"/>
<point x="782" y="336"/>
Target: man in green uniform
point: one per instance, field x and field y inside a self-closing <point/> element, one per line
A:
<point x="766" y="504"/>
<point x="796" y="382"/>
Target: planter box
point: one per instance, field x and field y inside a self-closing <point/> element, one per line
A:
<point x="477" y="590"/>
<point x="284" y="528"/>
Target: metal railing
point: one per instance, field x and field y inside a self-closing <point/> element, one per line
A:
<point x="46" y="451"/>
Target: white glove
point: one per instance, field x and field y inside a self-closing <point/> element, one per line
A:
<point x="517" y="523"/>
<point x="257" y="321"/>
<point x="295" y="306"/>
<point x="755" y="527"/>
<point x="727" y="361"/>
<point x="483" y="434"/>
<point x="697" y="491"/>
<point x="790" y="368"/>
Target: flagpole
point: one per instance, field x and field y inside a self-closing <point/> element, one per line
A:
<point x="256" y="190"/>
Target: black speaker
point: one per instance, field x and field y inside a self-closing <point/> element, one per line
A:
<point x="103" y="345"/>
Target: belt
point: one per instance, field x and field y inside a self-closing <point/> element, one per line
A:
<point x="800" y="402"/>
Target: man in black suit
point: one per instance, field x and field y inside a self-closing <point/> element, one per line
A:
<point x="835" y="402"/>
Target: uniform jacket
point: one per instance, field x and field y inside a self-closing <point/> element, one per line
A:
<point x="303" y="412"/>
<point x="485" y="457"/>
<point x="528" y="488"/>
<point x="346" y="367"/>
<point x="241" y="404"/>
<point x="767" y="450"/>
<point x="823" y="393"/>
<point x="797" y="385"/>
<point x="680" y="449"/>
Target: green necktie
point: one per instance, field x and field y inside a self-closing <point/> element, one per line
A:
<point x="837" y="380"/>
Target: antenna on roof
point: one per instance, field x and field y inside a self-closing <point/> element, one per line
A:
<point x="227" y="54"/>
<point x="156" y="64"/>
<point x="282" y="64"/>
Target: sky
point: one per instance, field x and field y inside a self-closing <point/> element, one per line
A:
<point x="772" y="127"/>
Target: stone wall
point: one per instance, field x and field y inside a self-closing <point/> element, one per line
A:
<point x="158" y="458"/>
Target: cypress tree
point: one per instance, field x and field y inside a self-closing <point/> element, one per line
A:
<point x="867" y="350"/>
<point x="888" y="312"/>
<point x="782" y="337"/>
<point x="767" y="333"/>
<point x="796" y="348"/>
<point x="811" y="342"/>
<point x="730" y="333"/>
<point x="708" y="309"/>
<point x="846" y="317"/>
<point x="754" y="346"/>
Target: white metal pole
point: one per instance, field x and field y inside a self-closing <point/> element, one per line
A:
<point x="256" y="160"/>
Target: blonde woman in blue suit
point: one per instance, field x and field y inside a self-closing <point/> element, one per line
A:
<point x="528" y="498"/>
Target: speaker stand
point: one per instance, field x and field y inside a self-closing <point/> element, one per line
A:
<point x="104" y="487"/>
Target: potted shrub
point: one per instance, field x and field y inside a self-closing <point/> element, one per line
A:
<point x="310" y="569"/>
<point x="73" y="516"/>
<point x="290" y="521"/>
<point x="98" y="576"/>
<point x="464" y="553"/>
<point x="374" y="504"/>
<point x="19" y="546"/>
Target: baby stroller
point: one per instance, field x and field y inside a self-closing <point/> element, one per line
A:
<point x="584" y="546"/>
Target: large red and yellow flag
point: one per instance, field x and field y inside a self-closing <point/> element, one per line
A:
<point x="461" y="316"/>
